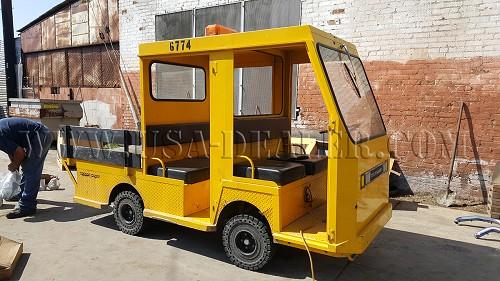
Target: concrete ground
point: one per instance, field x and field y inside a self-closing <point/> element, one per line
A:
<point x="66" y="241"/>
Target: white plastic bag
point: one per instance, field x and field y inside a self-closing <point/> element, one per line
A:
<point x="10" y="185"/>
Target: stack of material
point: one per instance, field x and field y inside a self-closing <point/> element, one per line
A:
<point x="10" y="252"/>
<point x="494" y="197"/>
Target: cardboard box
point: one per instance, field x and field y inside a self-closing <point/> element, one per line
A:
<point x="10" y="252"/>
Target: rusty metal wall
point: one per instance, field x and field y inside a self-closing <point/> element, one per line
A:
<point x="78" y="24"/>
<point x="31" y="39"/>
<point x="110" y="71"/>
<point x="75" y="67"/>
<point x="45" y="69"/>
<point x="48" y="34"/>
<point x="63" y="28"/>
<point x="90" y="66"/>
<point x="114" y="20"/>
<point x="98" y="20"/>
<point x="59" y="69"/>
<point x="32" y="72"/>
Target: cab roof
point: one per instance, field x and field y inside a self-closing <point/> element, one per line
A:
<point x="261" y="39"/>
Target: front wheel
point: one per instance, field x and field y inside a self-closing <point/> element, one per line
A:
<point x="247" y="242"/>
<point x="128" y="212"/>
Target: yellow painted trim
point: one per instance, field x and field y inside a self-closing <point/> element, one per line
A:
<point x="184" y="221"/>
<point x="89" y="203"/>
<point x="252" y="165"/>
<point x="250" y="187"/>
<point x="68" y="171"/>
<point x="162" y="165"/>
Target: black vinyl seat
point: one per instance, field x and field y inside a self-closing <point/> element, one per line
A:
<point x="280" y="172"/>
<point x="189" y="170"/>
<point x="314" y="164"/>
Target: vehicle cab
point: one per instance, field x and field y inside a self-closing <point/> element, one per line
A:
<point x="215" y="149"/>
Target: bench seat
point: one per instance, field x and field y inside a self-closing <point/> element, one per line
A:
<point x="189" y="170"/>
<point x="280" y="172"/>
<point x="314" y="164"/>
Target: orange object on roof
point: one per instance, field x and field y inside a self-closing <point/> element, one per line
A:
<point x="217" y="29"/>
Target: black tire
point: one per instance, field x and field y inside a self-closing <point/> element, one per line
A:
<point x="128" y="212"/>
<point x="248" y="242"/>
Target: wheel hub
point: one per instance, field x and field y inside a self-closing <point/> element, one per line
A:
<point x="245" y="242"/>
<point x="127" y="213"/>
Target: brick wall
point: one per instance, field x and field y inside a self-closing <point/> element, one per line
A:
<point x="423" y="58"/>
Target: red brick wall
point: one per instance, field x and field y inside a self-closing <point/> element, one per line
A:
<point x="133" y="86"/>
<point x="420" y="102"/>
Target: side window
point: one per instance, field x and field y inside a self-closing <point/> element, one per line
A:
<point x="177" y="82"/>
<point x="261" y="89"/>
<point x="256" y="92"/>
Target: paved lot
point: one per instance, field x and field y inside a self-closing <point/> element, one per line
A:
<point x="66" y="241"/>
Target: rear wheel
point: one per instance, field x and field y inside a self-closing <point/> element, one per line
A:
<point x="247" y="241"/>
<point x="128" y="212"/>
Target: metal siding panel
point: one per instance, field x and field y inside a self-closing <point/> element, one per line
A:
<point x="31" y="39"/>
<point x="80" y="23"/>
<point x="92" y="72"/>
<point x="98" y="20"/>
<point x="59" y="69"/>
<point x="110" y="72"/>
<point x="75" y="67"/>
<point x="48" y="34"/>
<point x="63" y="28"/>
<point x="45" y="69"/>
<point x="32" y="68"/>
<point x="114" y="20"/>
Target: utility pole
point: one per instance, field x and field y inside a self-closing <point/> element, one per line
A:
<point x="9" y="47"/>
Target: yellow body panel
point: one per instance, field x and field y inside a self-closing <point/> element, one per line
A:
<point x="342" y="218"/>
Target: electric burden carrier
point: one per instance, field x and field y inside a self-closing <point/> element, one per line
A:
<point x="197" y="164"/>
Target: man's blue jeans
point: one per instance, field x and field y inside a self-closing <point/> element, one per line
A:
<point x="32" y="168"/>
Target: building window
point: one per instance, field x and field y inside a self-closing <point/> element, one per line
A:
<point x="241" y="16"/>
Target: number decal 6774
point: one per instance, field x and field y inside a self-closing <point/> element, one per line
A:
<point x="180" y="45"/>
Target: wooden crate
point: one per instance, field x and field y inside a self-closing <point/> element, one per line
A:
<point x="494" y="194"/>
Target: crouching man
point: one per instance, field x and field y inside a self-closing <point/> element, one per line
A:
<point x="27" y="143"/>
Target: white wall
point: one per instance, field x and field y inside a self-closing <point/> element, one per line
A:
<point x="382" y="29"/>
<point x="411" y="29"/>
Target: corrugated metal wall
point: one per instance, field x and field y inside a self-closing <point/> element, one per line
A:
<point x="79" y="24"/>
<point x="3" y="84"/>
<point x="90" y="66"/>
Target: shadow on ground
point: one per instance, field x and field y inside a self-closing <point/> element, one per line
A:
<point x="395" y="255"/>
<point x="407" y="205"/>
<point x="64" y="212"/>
<point x="21" y="265"/>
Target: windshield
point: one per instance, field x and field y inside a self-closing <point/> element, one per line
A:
<point x="353" y="94"/>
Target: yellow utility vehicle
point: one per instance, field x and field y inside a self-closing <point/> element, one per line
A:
<point x="197" y="163"/>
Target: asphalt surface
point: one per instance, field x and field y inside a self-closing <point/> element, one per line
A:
<point x="66" y="241"/>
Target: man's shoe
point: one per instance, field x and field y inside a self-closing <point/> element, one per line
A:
<point x="20" y="213"/>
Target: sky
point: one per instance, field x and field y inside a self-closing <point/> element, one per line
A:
<point x="24" y="11"/>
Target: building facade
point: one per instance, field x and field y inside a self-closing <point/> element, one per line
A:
<point x="72" y="52"/>
<point x="423" y="58"/>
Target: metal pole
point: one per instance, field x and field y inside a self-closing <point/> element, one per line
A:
<point x="9" y="46"/>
